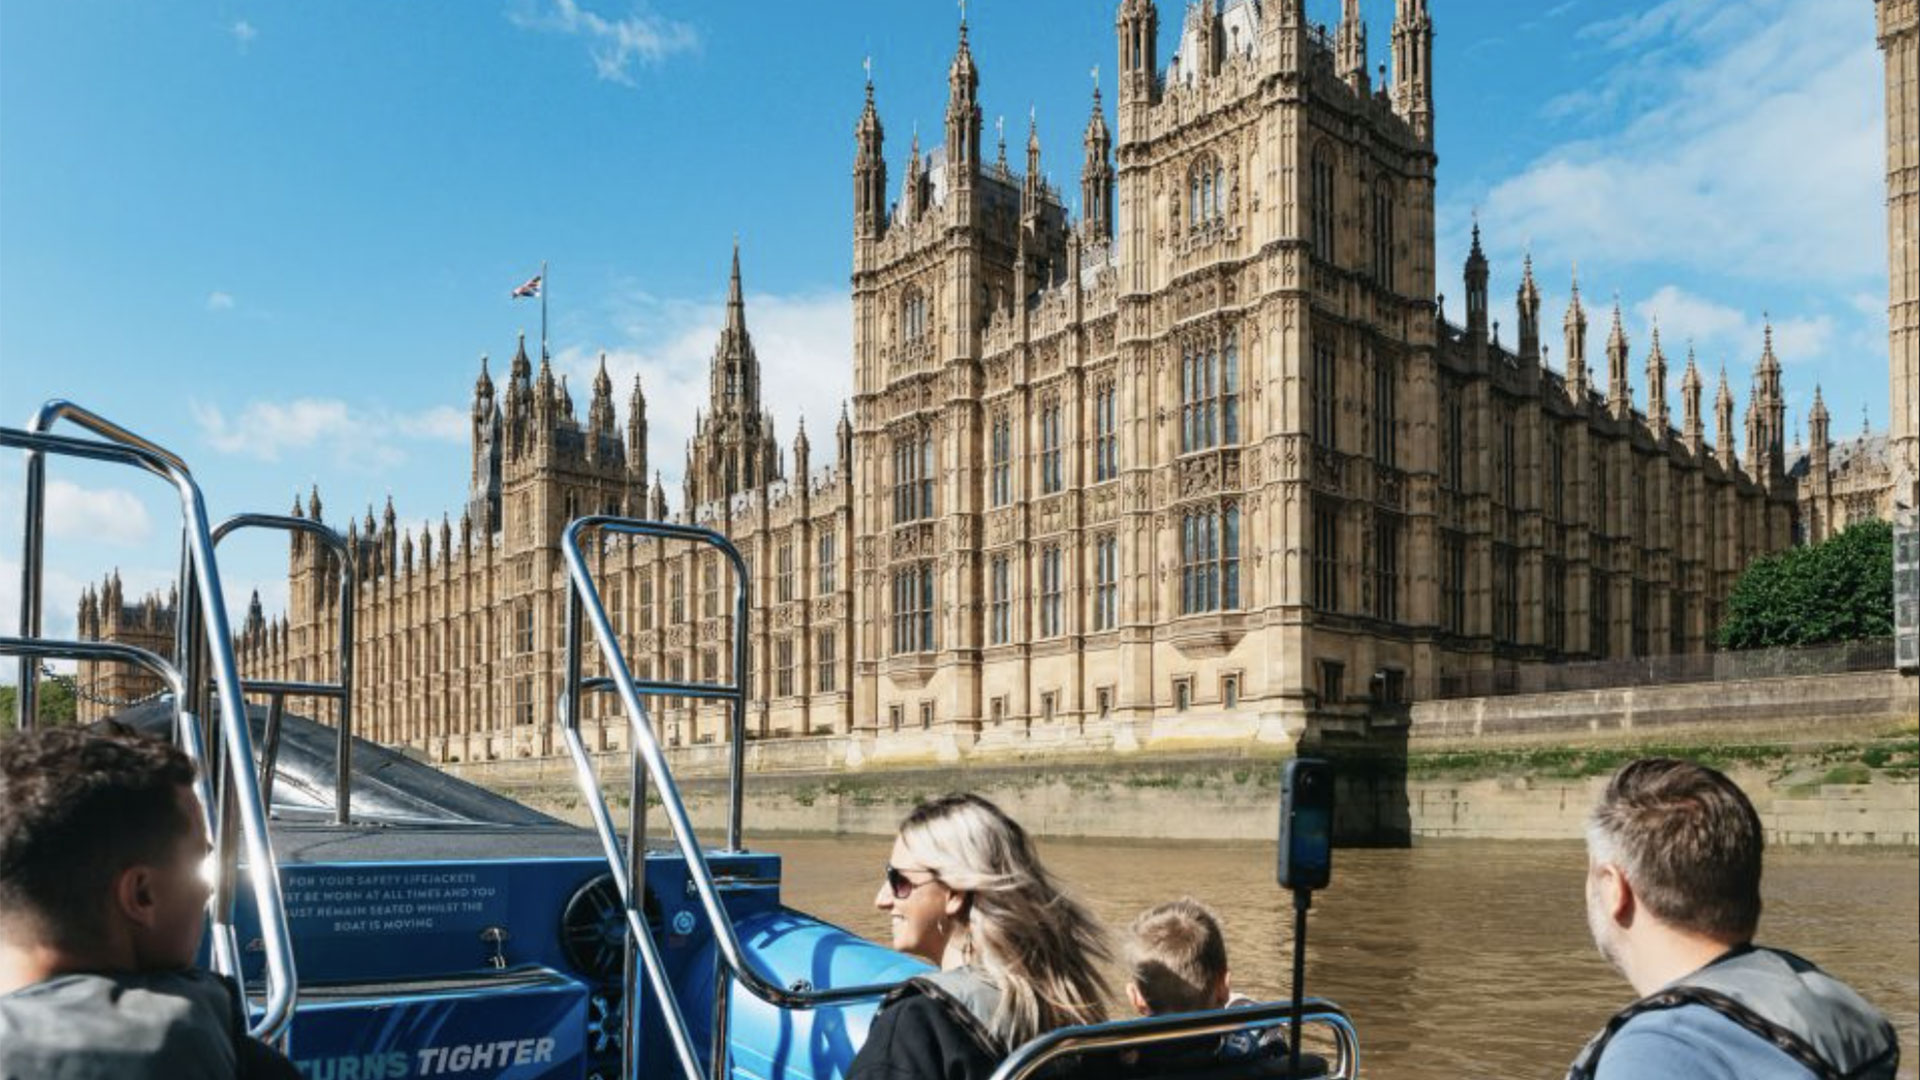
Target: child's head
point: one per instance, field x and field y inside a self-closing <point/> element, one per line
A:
<point x="101" y="847"/>
<point x="1178" y="958"/>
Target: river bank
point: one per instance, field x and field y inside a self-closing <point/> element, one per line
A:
<point x="1863" y="789"/>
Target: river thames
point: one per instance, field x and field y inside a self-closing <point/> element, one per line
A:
<point x="1454" y="957"/>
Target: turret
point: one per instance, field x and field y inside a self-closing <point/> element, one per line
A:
<point x="637" y="434"/>
<point x="1695" y="429"/>
<point x="1138" y="29"/>
<point x="1819" y="431"/>
<point x="1032" y="191"/>
<point x="313" y="503"/>
<point x="1527" y="300"/>
<point x="1771" y="407"/>
<point x="1657" y="416"/>
<point x="1476" y="274"/>
<point x="600" y="418"/>
<point x="963" y="116"/>
<point x="1413" y="65"/>
<point x="657" y="500"/>
<point x="1723" y="424"/>
<point x="802" y="455"/>
<point x="1096" y="176"/>
<point x="1576" y="331"/>
<point x="869" y="172"/>
<point x="1350" y="47"/>
<point x="843" y="446"/>
<point x="1619" y="387"/>
<point x="734" y="374"/>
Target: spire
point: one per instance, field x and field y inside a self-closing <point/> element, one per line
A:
<point x="1528" y="301"/>
<point x="1413" y="65"/>
<point x="1723" y="423"/>
<point x="1034" y="180"/>
<point x="1619" y="385"/>
<point x="1657" y="386"/>
<point x="482" y="386"/>
<point x="1096" y="175"/>
<point x="1351" y="47"/>
<point x="963" y="114"/>
<point x="1695" y="429"/>
<point x="522" y="367"/>
<point x="869" y="169"/>
<point x="313" y="503"/>
<point x="1818" y="428"/>
<point x="637" y="431"/>
<point x="1576" y="337"/>
<point x="1476" y="275"/>
<point x="600" y="416"/>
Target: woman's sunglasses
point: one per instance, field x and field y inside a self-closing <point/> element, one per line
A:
<point x="901" y="885"/>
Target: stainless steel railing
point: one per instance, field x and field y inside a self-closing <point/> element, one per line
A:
<point x="628" y="864"/>
<point x="202" y="638"/>
<point x="278" y="691"/>
<point x="1035" y="1055"/>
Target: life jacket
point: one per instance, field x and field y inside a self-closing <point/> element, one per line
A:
<point x="968" y="995"/>
<point x="1812" y="1017"/>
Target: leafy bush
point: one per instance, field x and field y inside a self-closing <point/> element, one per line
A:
<point x="55" y="700"/>
<point x="1838" y="590"/>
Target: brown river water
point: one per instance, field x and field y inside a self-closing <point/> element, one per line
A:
<point x="1454" y="957"/>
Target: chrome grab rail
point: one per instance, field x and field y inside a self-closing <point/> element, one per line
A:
<point x="1036" y="1054"/>
<point x="34" y="527"/>
<point x="278" y="690"/>
<point x="583" y="600"/>
<point x="186" y="725"/>
<point x="200" y="602"/>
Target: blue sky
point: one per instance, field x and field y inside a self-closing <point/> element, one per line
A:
<point x="278" y="236"/>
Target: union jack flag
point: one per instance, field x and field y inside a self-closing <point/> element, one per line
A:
<point x="531" y="288"/>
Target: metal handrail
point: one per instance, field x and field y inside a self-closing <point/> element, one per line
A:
<point x="34" y="544"/>
<point x="202" y="583"/>
<point x="186" y="725"/>
<point x="1037" y="1053"/>
<point x="583" y="599"/>
<point x="278" y="690"/>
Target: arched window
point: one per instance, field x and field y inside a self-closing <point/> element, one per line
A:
<point x="1206" y="193"/>
<point x="913" y="315"/>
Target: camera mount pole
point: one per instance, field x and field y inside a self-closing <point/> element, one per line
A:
<point x="1302" y="900"/>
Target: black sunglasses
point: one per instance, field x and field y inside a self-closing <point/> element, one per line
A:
<point x="902" y="885"/>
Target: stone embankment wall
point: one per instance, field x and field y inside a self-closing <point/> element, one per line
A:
<point x="1827" y="759"/>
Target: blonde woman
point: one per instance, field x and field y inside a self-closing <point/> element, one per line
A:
<point x="1018" y="957"/>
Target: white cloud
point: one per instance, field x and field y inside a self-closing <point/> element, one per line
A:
<point x="1719" y="332"/>
<point x="615" y="45"/>
<point x="805" y="347"/>
<point x="365" y="440"/>
<point x="1749" y="142"/>
<point x="219" y="301"/>
<point x="243" y="34"/>
<point x="107" y="515"/>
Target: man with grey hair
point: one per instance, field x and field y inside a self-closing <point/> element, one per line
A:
<point x="1673" y="899"/>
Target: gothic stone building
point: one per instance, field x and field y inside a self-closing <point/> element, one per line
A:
<point x="1208" y="451"/>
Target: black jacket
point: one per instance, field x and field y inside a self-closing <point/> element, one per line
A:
<point x="925" y="1032"/>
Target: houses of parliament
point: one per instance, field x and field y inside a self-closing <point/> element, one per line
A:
<point x="1207" y="450"/>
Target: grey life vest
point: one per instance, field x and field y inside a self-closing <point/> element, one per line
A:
<point x="1810" y="1016"/>
<point x="969" y="997"/>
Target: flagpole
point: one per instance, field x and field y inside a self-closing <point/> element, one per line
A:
<point x="543" y="308"/>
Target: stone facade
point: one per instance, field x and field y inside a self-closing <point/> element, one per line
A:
<point x="1209" y="451"/>
<point x="1899" y="26"/>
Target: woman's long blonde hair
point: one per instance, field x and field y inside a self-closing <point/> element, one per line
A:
<point x="1042" y="947"/>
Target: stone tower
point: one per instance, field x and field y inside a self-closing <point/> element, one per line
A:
<point x="733" y="445"/>
<point x="1900" y="43"/>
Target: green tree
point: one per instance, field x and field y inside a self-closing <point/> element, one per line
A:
<point x="1838" y="590"/>
<point x="56" y="704"/>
